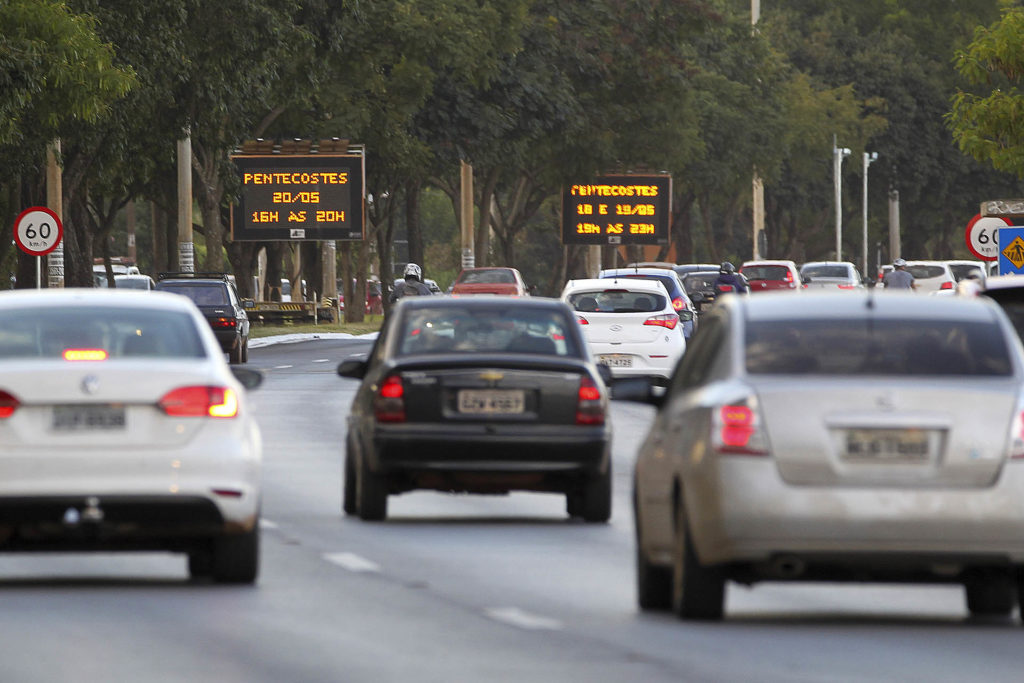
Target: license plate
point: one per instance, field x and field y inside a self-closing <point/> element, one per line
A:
<point x="87" y="418"/>
<point x="887" y="445"/>
<point x="615" y="360"/>
<point x="491" y="401"/>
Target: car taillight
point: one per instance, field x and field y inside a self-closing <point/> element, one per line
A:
<point x="845" y="286"/>
<point x="8" y="404"/>
<point x="589" y="408"/>
<point x="200" y="401"/>
<point x="946" y="285"/>
<point x="736" y="428"/>
<point x="583" y="321"/>
<point x="724" y="288"/>
<point x="789" y="276"/>
<point x="84" y="354"/>
<point x="223" y="323"/>
<point x="389" y="406"/>
<point x="669" y="320"/>
<point x="679" y="304"/>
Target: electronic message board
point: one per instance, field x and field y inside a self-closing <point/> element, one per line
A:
<point x="618" y="209"/>
<point x="299" y="197"/>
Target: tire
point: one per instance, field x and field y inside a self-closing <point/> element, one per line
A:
<point x="371" y="494"/>
<point x="245" y="350"/>
<point x="200" y="563"/>
<point x="990" y="595"/>
<point x="697" y="591"/>
<point x="235" y="354"/>
<point x="595" y="503"/>
<point x="236" y="557"/>
<point x="653" y="583"/>
<point x="348" y="484"/>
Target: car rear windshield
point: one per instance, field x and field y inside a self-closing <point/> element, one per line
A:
<point x="961" y="271"/>
<point x="616" y="301"/>
<point x="696" y="282"/>
<point x="667" y="281"/>
<point x="925" y="272"/>
<point x="486" y="277"/>
<point x="119" y="332"/>
<point x="876" y="347"/>
<point x="204" y="294"/>
<point x="519" y="329"/>
<point x="826" y="271"/>
<point x="765" y="272"/>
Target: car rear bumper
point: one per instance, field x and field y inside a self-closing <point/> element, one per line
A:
<point x="228" y="339"/>
<point x="741" y="510"/>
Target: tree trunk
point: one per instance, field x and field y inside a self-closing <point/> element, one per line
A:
<point x="412" y="222"/>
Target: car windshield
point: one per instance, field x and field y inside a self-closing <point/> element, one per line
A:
<point x="826" y="271"/>
<point x="616" y="301"/>
<point x="129" y="282"/>
<point x="497" y="276"/>
<point x="925" y="272"/>
<point x="451" y="329"/>
<point x="876" y="347"/>
<point x="203" y="294"/>
<point x="697" y="282"/>
<point x="765" y="272"/>
<point x="116" y="331"/>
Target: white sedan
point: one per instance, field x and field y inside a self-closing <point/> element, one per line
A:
<point x="123" y="428"/>
<point x="630" y="325"/>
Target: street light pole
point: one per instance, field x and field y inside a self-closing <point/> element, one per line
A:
<point x="868" y="158"/>
<point x="838" y="154"/>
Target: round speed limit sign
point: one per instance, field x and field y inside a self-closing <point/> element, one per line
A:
<point x="38" y="231"/>
<point x="983" y="236"/>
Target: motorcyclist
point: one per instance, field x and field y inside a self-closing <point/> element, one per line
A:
<point x="413" y="285"/>
<point x="729" y="280"/>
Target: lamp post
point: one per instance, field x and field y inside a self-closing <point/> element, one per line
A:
<point x="868" y="158"/>
<point x="838" y="154"/>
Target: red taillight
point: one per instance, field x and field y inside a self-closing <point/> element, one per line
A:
<point x="389" y="406"/>
<point x="724" y="288"/>
<point x="846" y="286"/>
<point x="583" y="321"/>
<point x="8" y="404"/>
<point x="736" y="428"/>
<point x="84" y="354"/>
<point x="200" y="401"/>
<point x="789" y="276"/>
<point x="589" y="408"/>
<point x="679" y="304"/>
<point x="223" y="323"/>
<point x="946" y="285"/>
<point x="669" y="320"/>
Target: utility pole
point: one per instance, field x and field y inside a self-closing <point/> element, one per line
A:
<point x="838" y="154"/>
<point x="186" y="250"/>
<point x="468" y="257"/>
<point x="757" y="221"/>
<point x="55" y="202"/>
<point x="868" y="158"/>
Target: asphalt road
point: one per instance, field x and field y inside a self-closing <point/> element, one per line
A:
<point x="451" y="588"/>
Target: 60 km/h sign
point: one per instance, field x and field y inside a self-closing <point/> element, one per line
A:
<point x="38" y="231"/>
<point x="982" y="236"/>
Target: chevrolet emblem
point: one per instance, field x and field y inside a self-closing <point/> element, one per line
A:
<point x="492" y="375"/>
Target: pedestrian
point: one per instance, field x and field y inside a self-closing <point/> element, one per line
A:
<point x="898" y="277"/>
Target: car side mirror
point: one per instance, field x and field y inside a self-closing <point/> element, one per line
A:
<point x="354" y="368"/>
<point x="685" y="316"/>
<point x="249" y="378"/>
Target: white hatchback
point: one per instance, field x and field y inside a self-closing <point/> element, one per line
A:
<point x="630" y="325"/>
<point x="123" y="428"/>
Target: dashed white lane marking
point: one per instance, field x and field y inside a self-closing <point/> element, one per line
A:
<point x="267" y="524"/>
<point x="522" y="619"/>
<point x="352" y="562"/>
<point x="322" y="360"/>
<point x="282" y="367"/>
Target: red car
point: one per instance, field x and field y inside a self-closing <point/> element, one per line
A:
<point x="498" y="280"/>
<point x="771" y="275"/>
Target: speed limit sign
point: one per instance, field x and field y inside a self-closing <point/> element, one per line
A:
<point x="38" y="231"/>
<point x="983" y="236"/>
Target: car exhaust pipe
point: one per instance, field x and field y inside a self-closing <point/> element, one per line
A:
<point x="788" y="566"/>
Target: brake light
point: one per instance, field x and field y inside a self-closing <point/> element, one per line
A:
<point x="679" y="304"/>
<point x="223" y="323"/>
<point x="589" y="408"/>
<point x="789" y="276"/>
<point x="583" y="321"/>
<point x="8" y="404"/>
<point x="389" y="406"/>
<point x="669" y="320"/>
<point x="200" y="401"/>
<point x="844" y="286"/>
<point x="84" y="354"/>
<point x="946" y="285"/>
<point x="724" y="288"/>
<point x="736" y="428"/>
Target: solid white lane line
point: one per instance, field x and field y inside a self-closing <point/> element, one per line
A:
<point x="514" y="616"/>
<point x="282" y="367"/>
<point x="352" y="562"/>
<point x="267" y="524"/>
<point x="322" y="360"/>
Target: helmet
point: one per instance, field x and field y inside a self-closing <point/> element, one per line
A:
<point x="412" y="271"/>
<point x="899" y="263"/>
<point x="727" y="268"/>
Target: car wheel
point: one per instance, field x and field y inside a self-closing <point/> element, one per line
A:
<point x="348" y="484"/>
<point x="595" y="504"/>
<point x="653" y="583"/>
<point x="235" y="354"/>
<point x="200" y="563"/>
<point x="245" y="350"/>
<point x="371" y="494"/>
<point x="990" y="595"/>
<point x="236" y="557"/>
<point x="697" y="592"/>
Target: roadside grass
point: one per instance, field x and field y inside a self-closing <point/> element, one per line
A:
<point x="371" y="324"/>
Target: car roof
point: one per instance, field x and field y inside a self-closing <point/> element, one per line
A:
<point x="1004" y="282"/>
<point x="482" y="302"/>
<point x="827" y="263"/>
<point x="631" y="284"/>
<point x="763" y="262"/>
<point x="864" y="303"/>
<point x="94" y="296"/>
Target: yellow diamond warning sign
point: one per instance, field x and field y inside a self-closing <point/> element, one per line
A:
<point x="1014" y="252"/>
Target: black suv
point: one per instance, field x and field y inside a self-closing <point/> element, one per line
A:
<point x="218" y="300"/>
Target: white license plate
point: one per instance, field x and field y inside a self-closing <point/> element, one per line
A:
<point x="887" y="445"/>
<point x="615" y="360"/>
<point x="491" y="401"/>
<point x="87" y="418"/>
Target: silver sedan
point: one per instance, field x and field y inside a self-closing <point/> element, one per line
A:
<point x="849" y="437"/>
